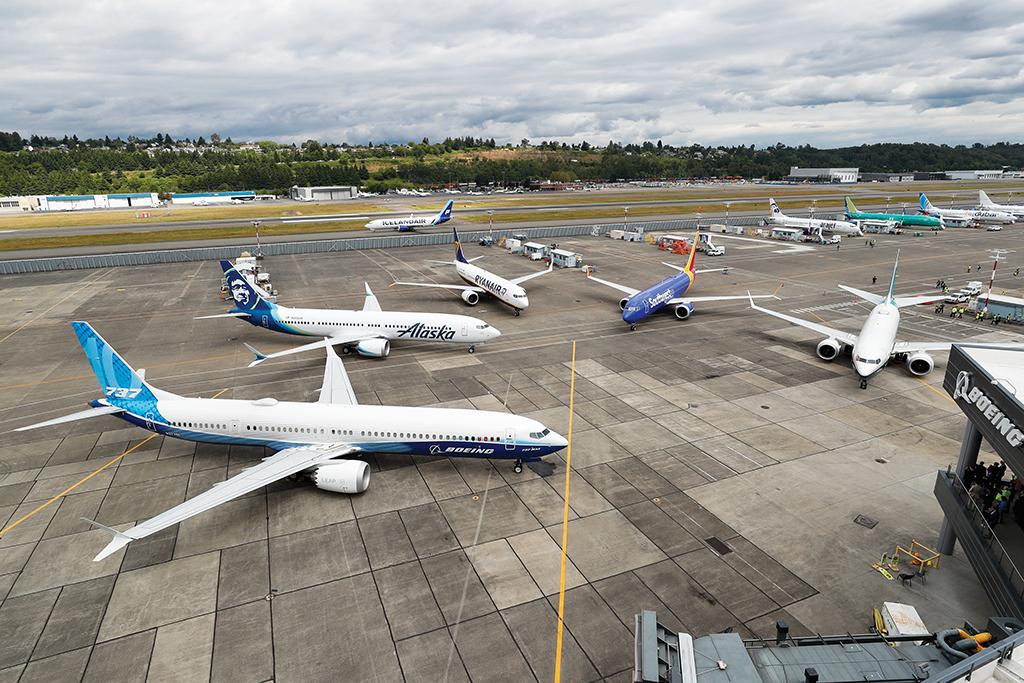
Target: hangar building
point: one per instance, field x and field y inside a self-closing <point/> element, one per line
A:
<point x="323" y="193"/>
<point x="823" y="175"/>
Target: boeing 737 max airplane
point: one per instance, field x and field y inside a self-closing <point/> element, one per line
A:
<point x="369" y="331"/>
<point x="321" y="440"/>
<point x="1015" y="210"/>
<point x="965" y="216"/>
<point x="812" y="225"/>
<point x="876" y="344"/>
<point x="481" y="281"/>
<point x="412" y="222"/>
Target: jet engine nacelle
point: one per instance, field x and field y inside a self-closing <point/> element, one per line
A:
<point x="374" y="348"/>
<point x="920" y="363"/>
<point x="684" y="311"/>
<point x="828" y="349"/>
<point x="470" y="297"/>
<point x="622" y="303"/>
<point x="342" y="476"/>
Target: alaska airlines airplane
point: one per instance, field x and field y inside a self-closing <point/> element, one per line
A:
<point x="812" y="225"/>
<point x="902" y="219"/>
<point x="1015" y="210"/>
<point x="481" y="281"/>
<point x="320" y="440"/>
<point x="968" y="216"/>
<point x="369" y="331"/>
<point x="876" y="344"/>
<point x="637" y="304"/>
<point x="412" y="222"/>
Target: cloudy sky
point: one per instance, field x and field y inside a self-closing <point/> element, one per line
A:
<point x="727" y="72"/>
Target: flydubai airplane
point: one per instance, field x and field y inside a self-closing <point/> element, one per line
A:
<point x="321" y="440"/>
<point x="968" y="216"/>
<point x="638" y="304"/>
<point x="481" y="281"/>
<point x="412" y="222"/>
<point x="812" y="225"/>
<point x="369" y="332"/>
<point x="876" y="345"/>
<point x="1016" y="210"/>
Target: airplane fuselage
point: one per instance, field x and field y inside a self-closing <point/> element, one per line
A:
<point x="973" y="215"/>
<point x="400" y="325"/>
<point x="876" y="340"/>
<point x="401" y="224"/>
<point x="815" y="225"/>
<point x="656" y="297"/>
<point x="443" y="432"/>
<point x="900" y="218"/>
<point x="504" y="290"/>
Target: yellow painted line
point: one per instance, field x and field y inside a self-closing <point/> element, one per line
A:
<point x="75" y="485"/>
<point x="218" y="393"/>
<point x="777" y="289"/>
<point x="565" y="523"/>
<point x="943" y="394"/>
<point x="32" y="320"/>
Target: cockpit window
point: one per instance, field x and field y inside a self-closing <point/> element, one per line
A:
<point x="869" y="361"/>
<point x="540" y="435"/>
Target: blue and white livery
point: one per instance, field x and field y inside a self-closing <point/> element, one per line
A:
<point x="638" y="304"/>
<point x="369" y="332"/>
<point x="412" y="222"/>
<point x="1015" y="210"/>
<point x="480" y="281"/>
<point x="321" y="440"/>
<point x="965" y="217"/>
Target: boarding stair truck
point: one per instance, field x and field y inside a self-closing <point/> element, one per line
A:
<point x="704" y="244"/>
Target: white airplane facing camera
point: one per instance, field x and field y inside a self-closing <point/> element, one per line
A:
<point x="412" y="222"/>
<point x="812" y="225"/>
<point x="321" y="440"/>
<point x="368" y="332"/>
<point x="1015" y="210"/>
<point x="876" y="344"/>
<point x="480" y="281"/>
<point x="965" y="217"/>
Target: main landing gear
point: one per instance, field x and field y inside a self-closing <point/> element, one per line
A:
<point x="516" y="312"/>
<point x="517" y="467"/>
<point x="632" y="327"/>
<point x="472" y="348"/>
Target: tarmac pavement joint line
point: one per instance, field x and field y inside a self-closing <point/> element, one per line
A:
<point x="76" y="484"/>
<point x="940" y="393"/>
<point x="28" y="322"/>
<point x="565" y="520"/>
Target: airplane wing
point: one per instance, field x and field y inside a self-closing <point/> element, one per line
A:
<point x="867" y="296"/>
<point x="911" y="347"/>
<point x="468" y="288"/>
<point x="695" y="299"/>
<point x="622" y="288"/>
<point x="902" y="301"/>
<point x="336" y="388"/>
<point x="696" y="272"/>
<point x="524" y="278"/>
<point x="370" y="303"/>
<point x="80" y="415"/>
<point x="234" y="314"/>
<point x="276" y="467"/>
<point x="350" y="338"/>
<point x="844" y="337"/>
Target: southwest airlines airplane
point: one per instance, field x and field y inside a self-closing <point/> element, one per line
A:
<point x="967" y="216"/>
<point x="638" y="304"/>
<point x="369" y="331"/>
<point x="412" y="222"/>
<point x="480" y="281"/>
<point x="812" y="225"/>
<point x="321" y="440"/>
<point x="876" y="344"/>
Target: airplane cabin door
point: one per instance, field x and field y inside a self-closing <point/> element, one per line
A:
<point x="510" y="438"/>
<point x="465" y="329"/>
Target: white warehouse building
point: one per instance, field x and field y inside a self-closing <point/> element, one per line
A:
<point x="323" y="193"/>
<point x="78" y="202"/>
<point x="823" y="175"/>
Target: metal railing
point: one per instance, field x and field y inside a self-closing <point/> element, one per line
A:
<point x="215" y="253"/>
<point x="989" y="540"/>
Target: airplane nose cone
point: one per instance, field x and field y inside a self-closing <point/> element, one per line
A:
<point x="863" y="369"/>
<point x="558" y="440"/>
<point x="495" y="332"/>
<point x="524" y="302"/>
<point x="631" y="316"/>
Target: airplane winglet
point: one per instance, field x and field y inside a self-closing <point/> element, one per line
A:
<point x="118" y="541"/>
<point x="260" y="357"/>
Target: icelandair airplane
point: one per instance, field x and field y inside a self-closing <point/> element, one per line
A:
<point x="812" y="226"/>
<point x="320" y="440"/>
<point x="902" y="219"/>
<point x="876" y="344"/>
<point x="482" y="281"/>
<point x="967" y="216"/>
<point x="412" y="222"/>
<point x="369" y="331"/>
<point x="637" y="304"/>
<point x="1015" y="210"/>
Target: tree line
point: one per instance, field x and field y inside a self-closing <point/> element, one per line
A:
<point x="69" y="165"/>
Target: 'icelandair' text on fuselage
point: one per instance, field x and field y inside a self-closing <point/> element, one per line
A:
<point x="421" y="331"/>
<point x="977" y="398"/>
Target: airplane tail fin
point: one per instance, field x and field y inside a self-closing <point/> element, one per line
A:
<point x="983" y="199"/>
<point x="851" y="208"/>
<point x="692" y="258"/>
<point x="247" y="296"/>
<point x="922" y="200"/>
<point x="459" y="256"/>
<point x="892" y="283"/>
<point x="446" y="213"/>
<point x="122" y="386"/>
<point x="775" y="210"/>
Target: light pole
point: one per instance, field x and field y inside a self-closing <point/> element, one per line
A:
<point x="625" y="217"/>
<point x="259" y="248"/>
<point x="490" y="221"/>
<point x="888" y="200"/>
<point x="727" y="205"/>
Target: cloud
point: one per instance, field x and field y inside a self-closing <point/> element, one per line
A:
<point x="737" y="71"/>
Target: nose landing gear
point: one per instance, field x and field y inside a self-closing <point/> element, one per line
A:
<point x="863" y="383"/>
<point x="472" y="348"/>
<point x="632" y="327"/>
<point x="517" y="467"/>
<point x="516" y="312"/>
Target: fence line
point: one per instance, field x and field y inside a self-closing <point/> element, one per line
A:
<point x="183" y="255"/>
